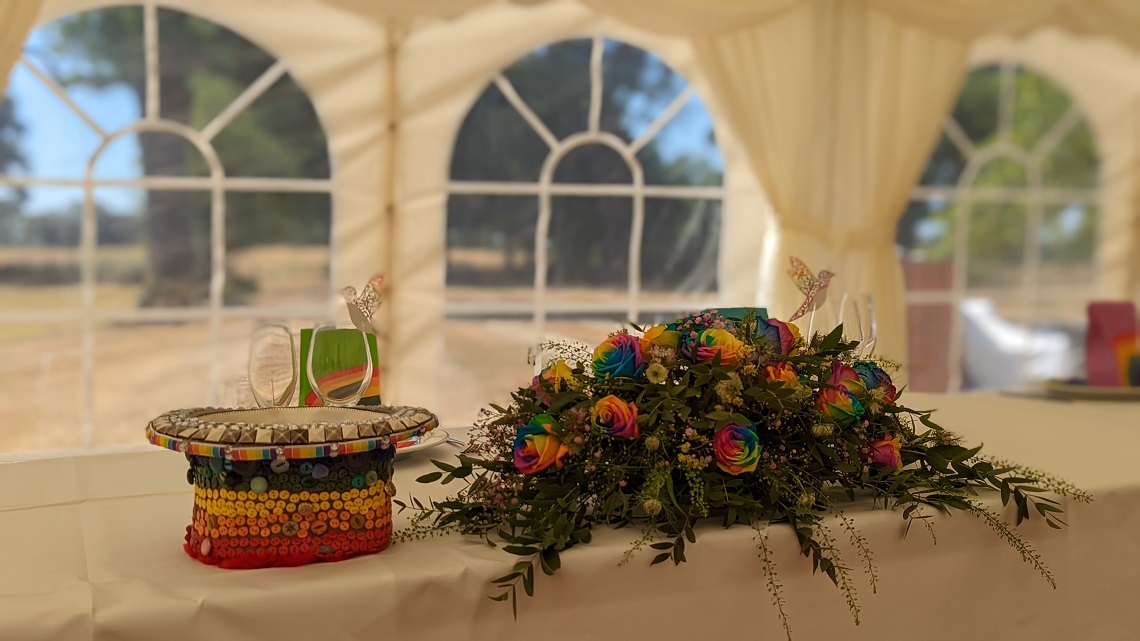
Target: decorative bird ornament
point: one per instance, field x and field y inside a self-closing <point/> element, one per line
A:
<point x="813" y="287"/>
<point x="362" y="307"/>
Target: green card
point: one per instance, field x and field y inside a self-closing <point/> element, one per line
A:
<point x="348" y="347"/>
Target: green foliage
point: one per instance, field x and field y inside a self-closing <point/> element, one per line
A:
<point x="828" y="428"/>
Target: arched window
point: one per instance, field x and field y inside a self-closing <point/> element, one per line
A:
<point x="998" y="243"/>
<point x="585" y="191"/>
<point x="163" y="183"/>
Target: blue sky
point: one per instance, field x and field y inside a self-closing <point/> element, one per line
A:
<point x="57" y="143"/>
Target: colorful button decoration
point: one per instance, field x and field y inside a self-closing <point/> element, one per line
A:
<point x="257" y="516"/>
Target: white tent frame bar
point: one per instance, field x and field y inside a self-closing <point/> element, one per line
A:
<point x="461" y="309"/>
<point x="179" y="183"/>
<point x="161" y="314"/>
<point x="576" y="189"/>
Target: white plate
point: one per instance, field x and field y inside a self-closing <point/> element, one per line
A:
<point x="429" y="440"/>
<point x="1061" y="389"/>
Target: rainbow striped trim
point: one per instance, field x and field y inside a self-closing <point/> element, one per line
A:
<point x="270" y="452"/>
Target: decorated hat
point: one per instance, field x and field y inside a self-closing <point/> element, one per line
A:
<point x="288" y="485"/>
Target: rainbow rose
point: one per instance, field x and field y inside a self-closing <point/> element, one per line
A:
<point x="839" y="404"/>
<point x="780" y="335"/>
<point x="616" y="417"/>
<point x="537" y="447"/>
<point x="618" y="355"/>
<point x="875" y="378"/>
<point x="780" y="371"/>
<point x="847" y="378"/>
<point x="661" y="336"/>
<point x="885" y="451"/>
<point x="736" y="449"/>
<point x="712" y="342"/>
<point x="557" y="375"/>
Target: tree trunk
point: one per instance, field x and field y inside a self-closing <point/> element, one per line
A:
<point x="177" y="269"/>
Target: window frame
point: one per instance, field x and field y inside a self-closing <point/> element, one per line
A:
<point x="545" y="189"/>
<point x="87" y="315"/>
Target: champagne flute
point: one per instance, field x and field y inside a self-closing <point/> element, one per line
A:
<point x="272" y="365"/>
<point x="859" y="323"/>
<point x="339" y="364"/>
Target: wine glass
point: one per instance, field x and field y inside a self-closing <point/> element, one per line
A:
<point x="859" y="323"/>
<point x="272" y="365"/>
<point x="339" y="364"/>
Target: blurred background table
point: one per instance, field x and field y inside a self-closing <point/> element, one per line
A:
<point x="90" y="547"/>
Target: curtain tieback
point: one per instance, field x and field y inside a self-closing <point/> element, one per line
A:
<point x="842" y="240"/>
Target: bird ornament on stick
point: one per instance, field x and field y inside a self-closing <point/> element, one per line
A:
<point x="362" y="307"/>
<point x="812" y="286"/>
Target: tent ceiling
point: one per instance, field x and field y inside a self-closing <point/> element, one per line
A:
<point x="1119" y="19"/>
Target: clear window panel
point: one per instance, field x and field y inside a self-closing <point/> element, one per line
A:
<point x="144" y="369"/>
<point x="996" y="252"/>
<point x="680" y="251"/>
<point x="41" y="386"/>
<point x="149" y="154"/>
<point x="977" y="109"/>
<point x="593" y="164"/>
<point x="996" y="340"/>
<point x="928" y="343"/>
<point x="684" y="152"/>
<point x="277" y="248"/>
<point x="97" y="57"/>
<point x="636" y="87"/>
<point x="278" y="136"/>
<point x="496" y="144"/>
<point x="490" y="247"/>
<point x="1037" y="106"/>
<point x="925" y="244"/>
<point x="1001" y="172"/>
<point x="39" y="248"/>
<point x="486" y="359"/>
<point x="154" y="248"/>
<point x="203" y="67"/>
<point x="1011" y="340"/>
<point x="1074" y="161"/>
<point x="945" y="164"/>
<point x="554" y="81"/>
<point x="589" y="249"/>
<point x="41" y="135"/>
<point x="1068" y="236"/>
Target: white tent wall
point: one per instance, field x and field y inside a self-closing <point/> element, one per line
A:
<point x="1103" y="78"/>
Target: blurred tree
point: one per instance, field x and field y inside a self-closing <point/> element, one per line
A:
<point x="997" y="231"/>
<point x="11" y="157"/>
<point x="203" y="67"/>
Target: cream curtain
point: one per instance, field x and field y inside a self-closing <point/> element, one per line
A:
<point x="16" y="19"/>
<point x="837" y="106"/>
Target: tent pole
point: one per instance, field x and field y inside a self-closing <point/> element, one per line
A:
<point x="393" y="35"/>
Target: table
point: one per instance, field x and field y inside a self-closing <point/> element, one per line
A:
<point x="90" y="548"/>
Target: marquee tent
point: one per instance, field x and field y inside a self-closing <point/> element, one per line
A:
<point x="825" y="113"/>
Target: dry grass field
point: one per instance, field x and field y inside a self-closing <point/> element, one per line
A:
<point x="141" y="368"/>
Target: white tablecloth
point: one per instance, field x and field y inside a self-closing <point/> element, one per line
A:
<point x="90" y="547"/>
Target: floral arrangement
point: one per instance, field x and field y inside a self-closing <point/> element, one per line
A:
<point x="729" y="415"/>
